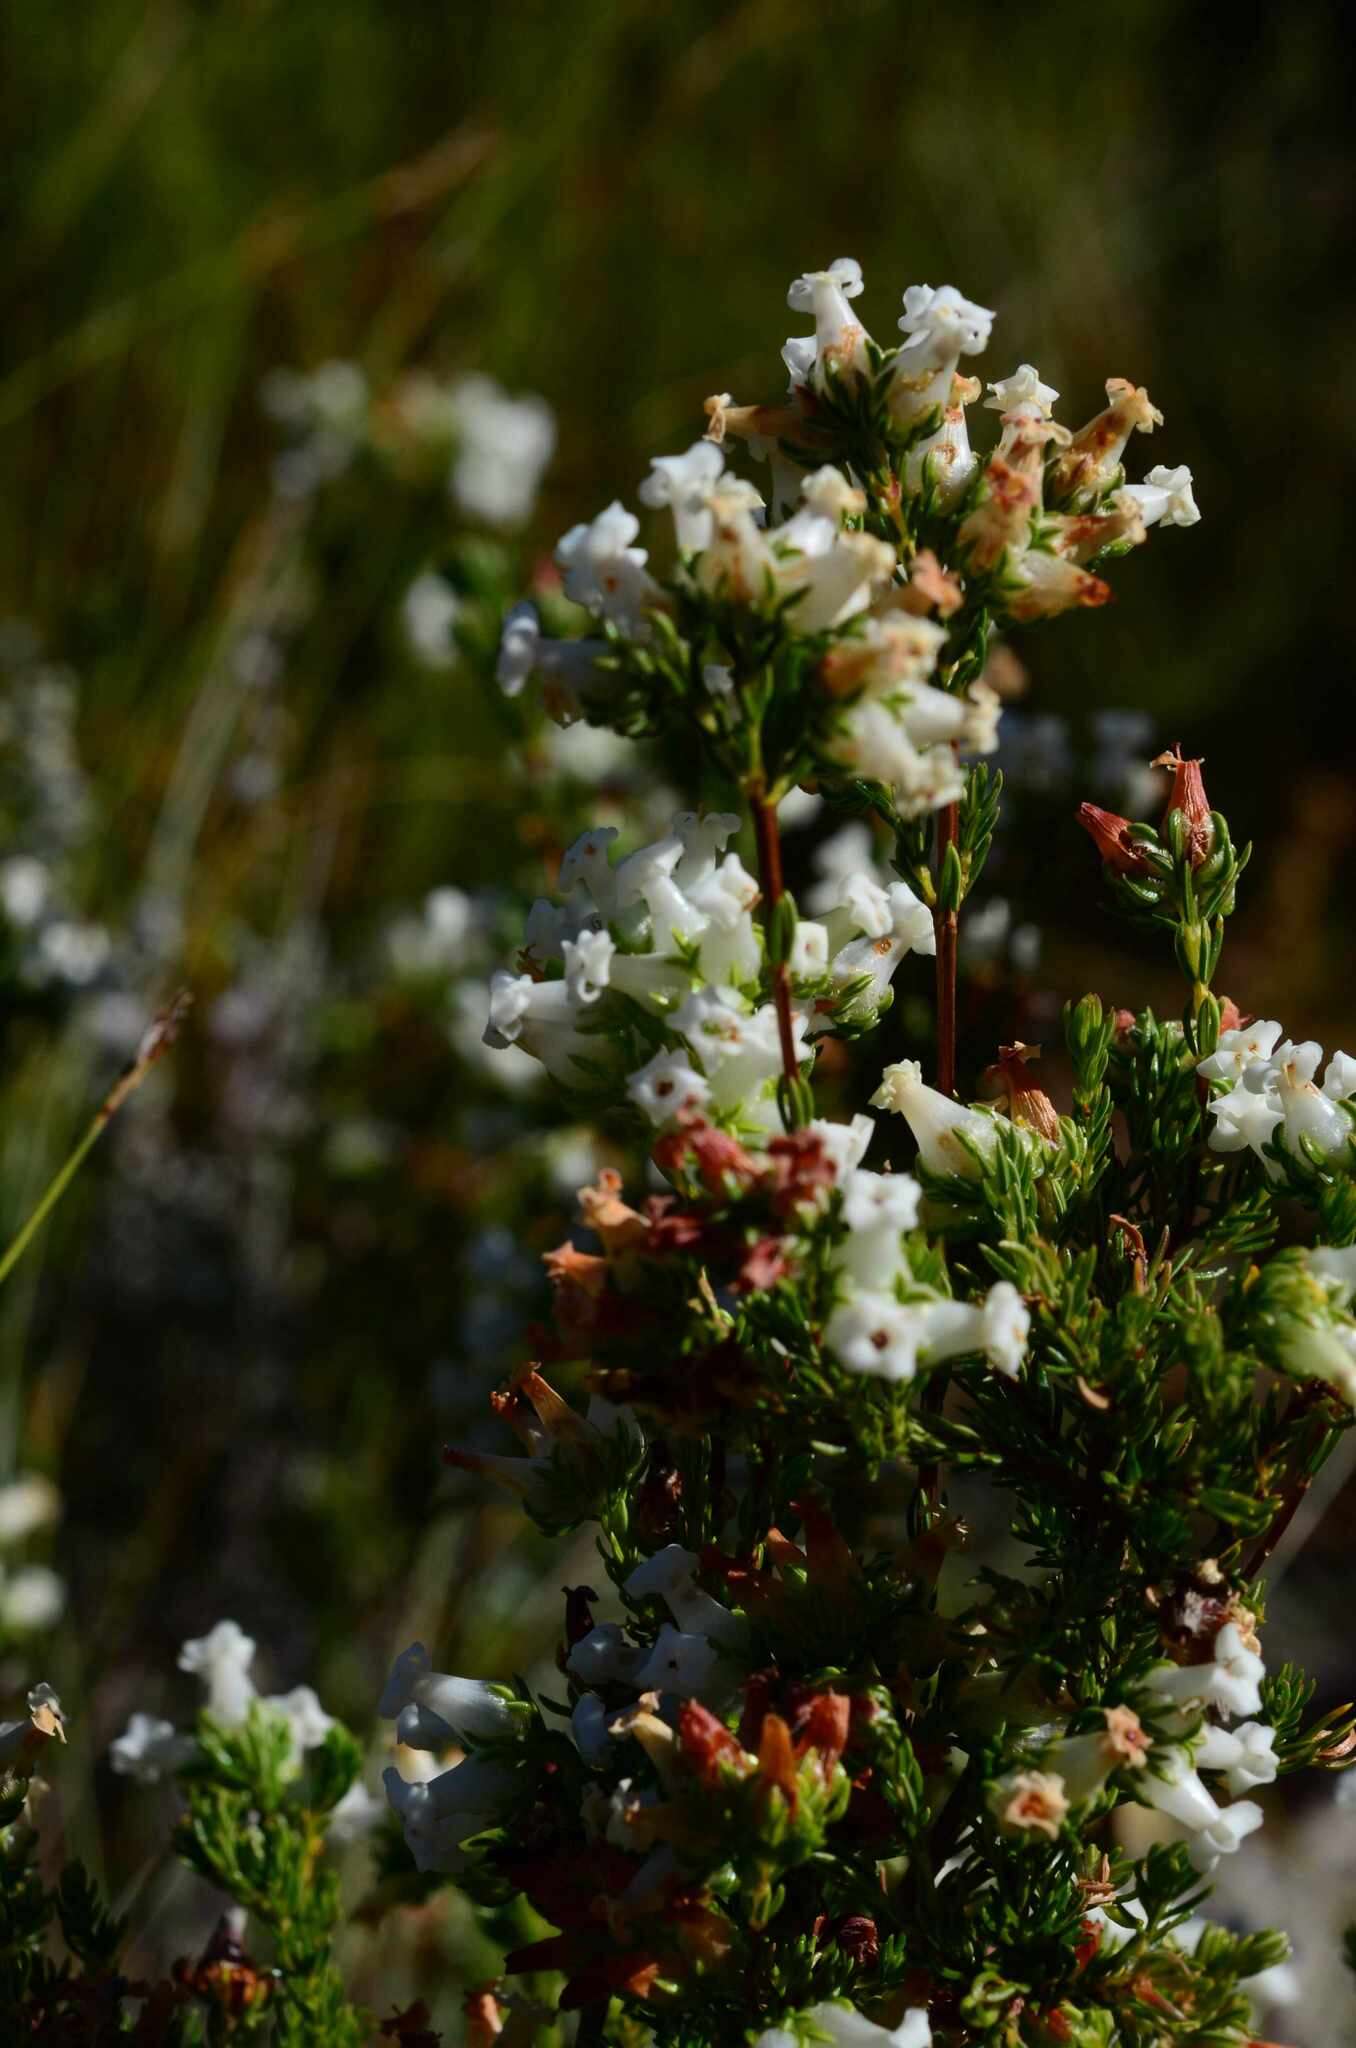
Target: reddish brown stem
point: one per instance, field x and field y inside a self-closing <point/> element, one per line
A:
<point x="947" y="925"/>
<point x="770" y="881"/>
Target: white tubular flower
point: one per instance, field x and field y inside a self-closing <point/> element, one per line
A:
<point x="886" y="653"/>
<point x="1171" y="1786"/>
<point x="588" y="1725"/>
<point x="1085" y="1762"/>
<point x="840" y="339"/>
<point x="945" y="459"/>
<point x="150" y="1749"/>
<point x="1052" y="584"/>
<point x="605" y="573"/>
<point x="540" y="1016"/>
<point x="845" y="1145"/>
<point x="442" y="1813"/>
<point x="875" y="1334"/>
<point x="880" y="1201"/>
<point x="738" y="1052"/>
<point x="670" y="1576"/>
<point x="736" y="563"/>
<point x="1244" y="1120"/>
<point x="588" y="963"/>
<point x="1224" y="1835"/>
<point x="892" y="922"/>
<point x="842" y="2026"/>
<point x="1230" y="1682"/>
<point x="684" y="483"/>
<point x="587" y="865"/>
<point x="873" y="742"/>
<point x="844" y="856"/>
<point x="1238" y="1052"/>
<point x="27" y="1504"/>
<point x="1022" y="389"/>
<point x="1339" y="1077"/>
<point x="221" y="1662"/>
<point x="940" y="327"/>
<point x="999" y="1327"/>
<point x="1246" y="1755"/>
<point x="689" y="1666"/>
<point x="1090" y="462"/>
<point x="809" y="950"/>
<point x="604" y="1657"/>
<point x="728" y="951"/>
<point x="1307" y="1112"/>
<point x="947" y="1134"/>
<point x="1027" y="1802"/>
<point x="1165" y="496"/>
<point x="838" y="582"/>
<point x="666" y="1086"/>
<point x="432" y="1709"/>
<point x="504" y="446"/>
<point x="877" y="1209"/>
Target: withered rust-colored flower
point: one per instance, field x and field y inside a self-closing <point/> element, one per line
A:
<point x="1188" y="796"/>
<point x="1110" y="834"/>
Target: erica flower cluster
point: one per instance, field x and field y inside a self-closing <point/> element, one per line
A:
<point x="861" y="589"/>
<point x="662" y="950"/>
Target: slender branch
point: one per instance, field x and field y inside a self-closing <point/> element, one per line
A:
<point x="947" y="926"/>
<point x="770" y="881"/>
<point x="157" y="1039"/>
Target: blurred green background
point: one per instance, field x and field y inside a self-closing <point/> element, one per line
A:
<point x="299" y="1261"/>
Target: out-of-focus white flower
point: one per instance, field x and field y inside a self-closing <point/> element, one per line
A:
<point x="876" y="1334"/>
<point x="27" y="1504"/>
<point x="999" y="1327"/>
<point x="71" y="952"/>
<point x="429" y="610"/>
<point x="355" y="1815"/>
<point x="684" y="483"/>
<point x="688" y="1665"/>
<point x="1165" y="495"/>
<point x="31" y="1598"/>
<point x="842" y="2026"/>
<point x="667" y="1085"/>
<point x="605" y="573"/>
<point x="504" y="445"/>
<point x="221" y="1661"/>
<point x="25" y="886"/>
<point x="150" y="1749"/>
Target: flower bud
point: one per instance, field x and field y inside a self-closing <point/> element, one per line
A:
<point x="1188" y="796"/>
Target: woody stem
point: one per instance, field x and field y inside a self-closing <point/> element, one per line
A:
<point x="770" y="881"/>
<point x="947" y="926"/>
